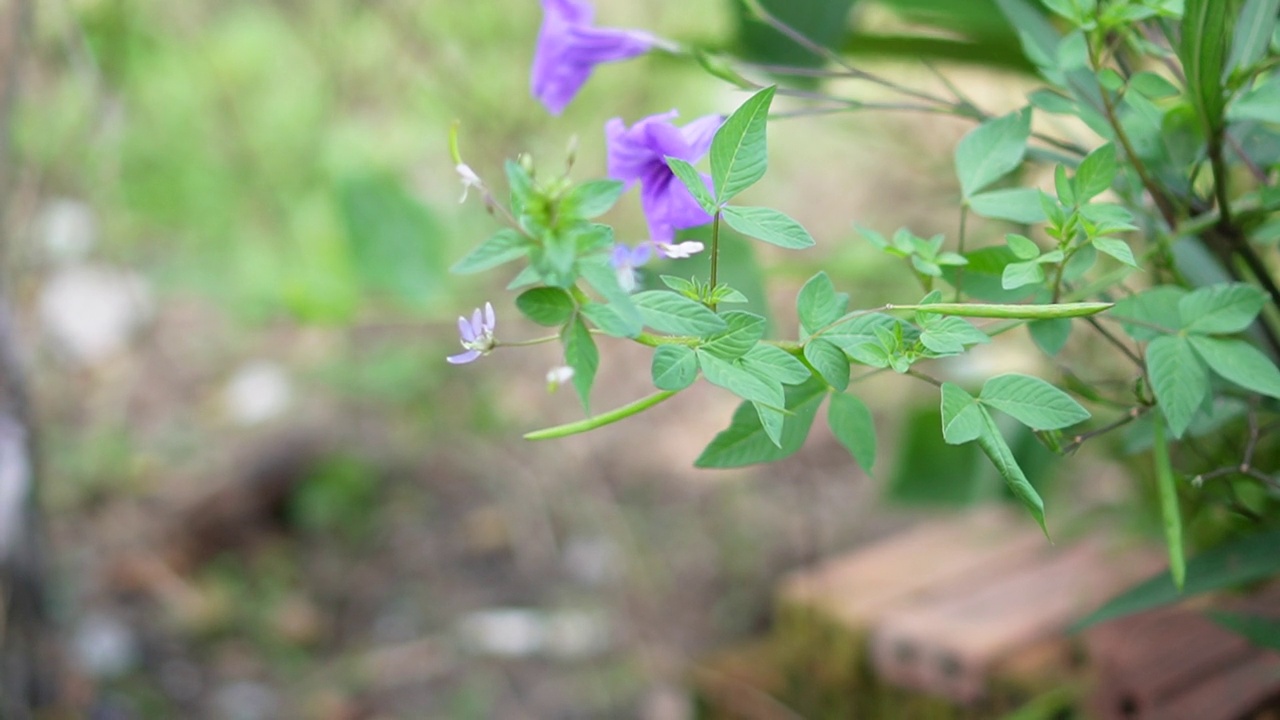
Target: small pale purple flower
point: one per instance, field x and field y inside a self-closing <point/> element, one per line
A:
<point x="569" y="48"/>
<point x="469" y="180"/>
<point x="476" y="335"/>
<point x="626" y="259"/>
<point x="639" y="153"/>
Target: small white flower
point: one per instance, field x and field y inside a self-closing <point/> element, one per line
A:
<point x="558" y="376"/>
<point x="680" y="250"/>
<point x="469" y="180"/>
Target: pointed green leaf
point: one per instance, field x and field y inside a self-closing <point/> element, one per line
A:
<point x="738" y="152"/>
<point x="1096" y="173"/>
<point x="950" y="335"/>
<point x="1021" y="274"/>
<point x="995" y="447"/>
<point x="853" y="426"/>
<point x="692" y="180"/>
<point x="830" y="362"/>
<point x="772" y="420"/>
<point x="606" y="318"/>
<point x="1032" y="402"/>
<point x="1261" y="632"/>
<point x="671" y="312"/>
<point x="600" y="275"/>
<point x="1239" y="561"/>
<point x="1023" y="247"/>
<point x="1178" y="378"/>
<point x="961" y="415"/>
<point x="1254" y="26"/>
<point x="1203" y="53"/>
<point x="674" y="367"/>
<point x="1019" y="205"/>
<point x="1239" y="362"/>
<point x="1155" y="307"/>
<point x="502" y="247"/>
<point x="744" y="442"/>
<point x="1223" y="308"/>
<point x="549" y="307"/>
<point x="772" y="361"/>
<point x="768" y="225"/>
<point x="591" y="199"/>
<point x="818" y="304"/>
<point x="580" y="354"/>
<point x="1154" y="86"/>
<point x="730" y="375"/>
<point x="848" y="335"/>
<point x="1116" y="248"/>
<point x="992" y="150"/>
<point x="1050" y="335"/>
<point x="742" y="330"/>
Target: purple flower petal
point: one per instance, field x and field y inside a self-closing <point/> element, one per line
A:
<point x="569" y="48"/>
<point x="699" y="133"/>
<point x="477" y="323"/>
<point x="490" y="321"/>
<point x="464" y="330"/>
<point x="463" y="358"/>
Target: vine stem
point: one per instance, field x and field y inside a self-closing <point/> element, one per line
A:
<point x="602" y="419"/>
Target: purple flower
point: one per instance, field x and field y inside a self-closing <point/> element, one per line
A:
<point x="569" y="48"/>
<point x="638" y="154"/>
<point x="476" y="335"/>
<point x="625" y="260"/>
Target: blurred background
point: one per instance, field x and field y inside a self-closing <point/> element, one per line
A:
<point x="227" y="227"/>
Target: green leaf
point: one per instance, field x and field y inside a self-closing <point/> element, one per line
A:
<point x="1170" y="515"/>
<point x="738" y="152"/>
<point x="1178" y="378"/>
<point x="692" y="180"/>
<point x="1261" y="104"/>
<point x="950" y="335"/>
<point x="1239" y="362"/>
<point x="848" y="335"/>
<point x="1153" y="86"/>
<point x="1254" y="26"/>
<point x="818" y="304"/>
<point x="1015" y="312"/>
<point x="744" y="442"/>
<point x="601" y="276"/>
<point x="772" y="420"/>
<point x="853" y="426"/>
<point x="393" y="238"/>
<point x="1032" y="402"/>
<point x="673" y="313"/>
<point x="772" y="361"/>
<point x="961" y="415"/>
<point x="1096" y="173"/>
<point x="502" y="247"/>
<point x="768" y="225"/>
<point x="1064" y="188"/>
<point x="1021" y="274"/>
<point x="1261" y="632"/>
<point x="1203" y="53"/>
<point x="591" y="199"/>
<point x="1223" y="308"/>
<point x="981" y="277"/>
<point x="995" y="447"/>
<point x="730" y="375"/>
<point x="606" y="318"/>
<point x="992" y="150"/>
<point x="1116" y="248"/>
<point x="1050" y="335"/>
<point x="580" y="354"/>
<point x="1020" y="205"/>
<point x="1023" y="247"/>
<point x="742" y="331"/>
<point x="1240" y="561"/>
<point x="1157" y="306"/>
<point x="550" y="307"/>
<point x="675" y="367"/>
<point x="830" y="362"/>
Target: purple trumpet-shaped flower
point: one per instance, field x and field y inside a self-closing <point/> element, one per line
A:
<point x="569" y="48"/>
<point x="639" y="153"/>
<point x="476" y="335"/>
<point x="625" y="260"/>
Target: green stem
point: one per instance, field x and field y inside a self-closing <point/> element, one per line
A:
<point x="1169" y="503"/>
<point x="600" y="420"/>
<point x="964" y="216"/>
